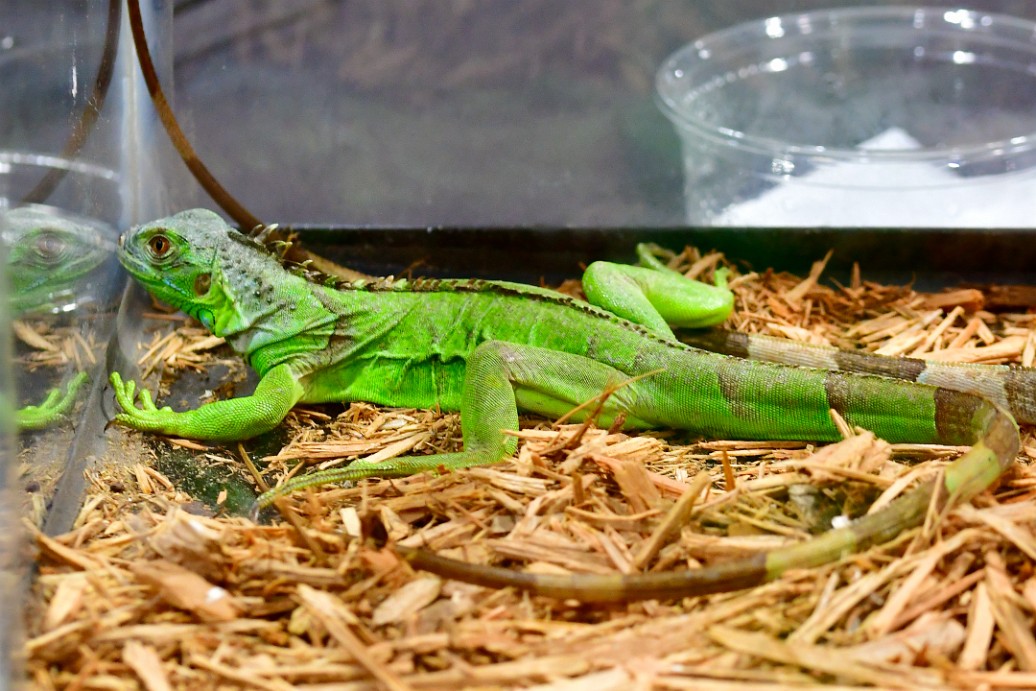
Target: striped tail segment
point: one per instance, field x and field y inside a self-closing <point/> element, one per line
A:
<point x="959" y="416"/>
<point x="1010" y="386"/>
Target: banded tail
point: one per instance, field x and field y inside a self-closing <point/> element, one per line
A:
<point x="995" y="444"/>
<point x="1012" y="387"/>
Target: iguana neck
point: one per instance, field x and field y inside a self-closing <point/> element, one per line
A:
<point x="267" y="314"/>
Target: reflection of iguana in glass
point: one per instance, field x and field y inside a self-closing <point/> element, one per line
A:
<point x="48" y="258"/>
<point x="490" y="349"/>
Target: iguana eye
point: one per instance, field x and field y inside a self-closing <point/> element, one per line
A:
<point x="50" y="246"/>
<point x="159" y="245"/>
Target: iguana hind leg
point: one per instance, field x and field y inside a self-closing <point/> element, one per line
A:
<point x="656" y="298"/>
<point x="970" y="474"/>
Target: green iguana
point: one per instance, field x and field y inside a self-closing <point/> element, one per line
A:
<point x="49" y="258"/>
<point x="490" y="349"/>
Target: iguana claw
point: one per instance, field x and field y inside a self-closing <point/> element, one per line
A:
<point x="56" y="404"/>
<point x="139" y="410"/>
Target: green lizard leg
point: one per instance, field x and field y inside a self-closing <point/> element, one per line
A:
<point x="499" y="378"/>
<point x="657" y="298"/>
<point x="56" y="404"/>
<point x="647" y="255"/>
<point x="236" y="418"/>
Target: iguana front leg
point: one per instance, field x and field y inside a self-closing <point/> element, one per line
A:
<point x="233" y="419"/>
<point x="56" y="404"/>
<point x="500" y="378"/>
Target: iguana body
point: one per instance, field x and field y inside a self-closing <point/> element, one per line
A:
<point x="491" y="348"/>
<point x="49" y="257"/>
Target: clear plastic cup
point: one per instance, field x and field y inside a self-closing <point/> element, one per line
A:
<point x="878" y="116"/>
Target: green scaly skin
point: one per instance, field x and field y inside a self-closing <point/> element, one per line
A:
<point x="48" y="256"/>
<point x="490" y="349"/>
<point x="1009" y="386"/>
<point x="54" y="405"/>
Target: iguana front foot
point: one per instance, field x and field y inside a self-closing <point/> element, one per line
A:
<point x="147" y="417"/>
<point x="56" y="404"/>
<point x="231" y="420"/>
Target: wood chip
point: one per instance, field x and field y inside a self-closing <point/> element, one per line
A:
<point x="145" y="662"/>
<point x="335" y="619"/>
<point x="187" y="590"/>
<point x="407" y="601"/>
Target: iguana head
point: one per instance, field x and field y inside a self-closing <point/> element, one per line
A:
<point x="50" y="258"/>
<point x="195" y="262"/>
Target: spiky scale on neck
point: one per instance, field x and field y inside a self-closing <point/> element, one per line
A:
<point x="267" y="314"/>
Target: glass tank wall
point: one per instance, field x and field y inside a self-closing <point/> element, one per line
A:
<point x="10" y="548"/>
<point x="79" y="159"/>
<point x="453" y="113"/>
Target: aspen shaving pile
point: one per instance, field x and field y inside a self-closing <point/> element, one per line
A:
<point x="153" y="590"/>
